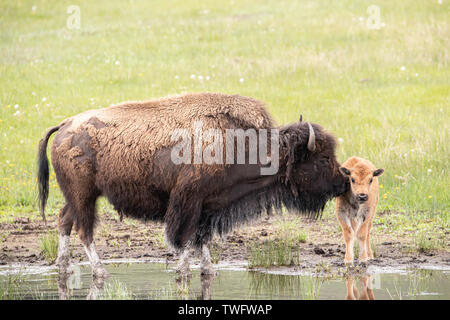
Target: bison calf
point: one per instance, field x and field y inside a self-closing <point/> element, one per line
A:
<point x="356" y="208"/>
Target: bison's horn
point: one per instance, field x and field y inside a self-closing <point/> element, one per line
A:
<point x="311" y="139"/>
<point x="301" y="118"/>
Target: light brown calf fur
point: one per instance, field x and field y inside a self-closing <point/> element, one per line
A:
<point x="355" y="209"/>
<point x="366" y="289"/>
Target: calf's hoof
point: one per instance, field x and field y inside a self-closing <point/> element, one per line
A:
<point x="348" y="263"/>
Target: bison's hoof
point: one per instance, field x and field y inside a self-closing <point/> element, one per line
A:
<point x="183" y="271"/>
<point x="363" y="262"/>
<point x="65" y="269"/>
<point x="208" y="272"/>
<point x="99" y="272"/>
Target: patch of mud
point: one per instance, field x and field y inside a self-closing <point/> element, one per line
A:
<point x="133" y="241"/>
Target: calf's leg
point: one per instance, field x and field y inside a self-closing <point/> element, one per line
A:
<point x="369" y="248"/>
<point x="349" y="237"/>
<point x="363" y="243"/>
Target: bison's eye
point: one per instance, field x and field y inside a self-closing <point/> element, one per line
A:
<point x="325" y="160"/>
<point x="353" y="180"/>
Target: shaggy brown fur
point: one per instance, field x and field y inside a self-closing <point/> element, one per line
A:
<point x="123" y="153"/>
<point x="356" y="209"/>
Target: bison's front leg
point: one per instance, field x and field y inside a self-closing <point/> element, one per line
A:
<point x="183" y="266"/>
<point x="206" y="265"/>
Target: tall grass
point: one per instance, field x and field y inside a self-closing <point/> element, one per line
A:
<point x="116" y="291"/>
<point x="9" y="288"/>
<point x="272" y="254"/>
<point x="49" y="246"/>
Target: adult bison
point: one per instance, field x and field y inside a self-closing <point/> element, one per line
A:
<point x="124" y="153"/>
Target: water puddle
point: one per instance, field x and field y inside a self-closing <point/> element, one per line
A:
<point x="155" y="280"/>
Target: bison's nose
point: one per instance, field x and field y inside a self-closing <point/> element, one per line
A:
<point x="362" y="197"/>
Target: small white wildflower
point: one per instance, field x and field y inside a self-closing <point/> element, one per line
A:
<point x="44" y="99"/>
<point x="33" y="93"/>
<point x="241" y="80"/>
<point x="7" y="161"/>
<point x="361" y="18"/>
<point x="117" y="62"/>
<point x="16" y="113"/>
<point x="207" y="78"/>
<point x="21" y="141"/>
<point x="417" y="74"/>
<point x="383" y="24"/>
<point x="33" y="8"/>
<point x="340" y="140"/>
<point x="193" y="76"/>
<point x="200" y="77"/>
<point x="403" y="68"/>
<point x="176" y="77"/>
<point x="429" y="170"/>
<point x="440" y="1"/>
<point x="16" y="106"/>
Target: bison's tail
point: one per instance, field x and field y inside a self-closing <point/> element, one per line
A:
<point x="43" y="171"/>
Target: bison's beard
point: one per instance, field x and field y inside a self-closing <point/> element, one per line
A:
<point x="268" y="200"/>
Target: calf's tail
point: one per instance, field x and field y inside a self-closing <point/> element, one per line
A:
<point x="43" y="171"/>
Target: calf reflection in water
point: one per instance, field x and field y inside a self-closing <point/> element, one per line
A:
<point x="366" y="292"/>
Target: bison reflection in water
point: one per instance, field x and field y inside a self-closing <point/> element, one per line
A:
<point x="123" y="153"/>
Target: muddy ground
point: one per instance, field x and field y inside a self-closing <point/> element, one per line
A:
<point x="117" y="239"/>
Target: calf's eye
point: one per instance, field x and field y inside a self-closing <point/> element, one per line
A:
<point x="353" y="180"/>
<point x="370" y="180"/>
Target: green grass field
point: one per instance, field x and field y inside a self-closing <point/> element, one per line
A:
<point x="384" y="93"/>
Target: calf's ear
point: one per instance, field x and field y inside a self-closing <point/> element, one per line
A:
<point x="344" y="171"/>
<point x="378" y="172"/>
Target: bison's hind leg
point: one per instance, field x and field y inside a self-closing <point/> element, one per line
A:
<point x="85" y="223"/>
<point x="65" y="222"/>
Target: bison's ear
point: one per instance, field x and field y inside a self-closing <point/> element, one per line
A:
<point x="378" y="172"/>
<point x="344" y="171"/>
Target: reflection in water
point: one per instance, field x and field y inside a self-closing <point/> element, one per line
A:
<point x="206" y="281"/>
<point x="184" y="284"/>
<point x="281" y="286"/>
<point x="66" y="286"/>
<point x="366" y="292"/>
<point x="155" y="281"/>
